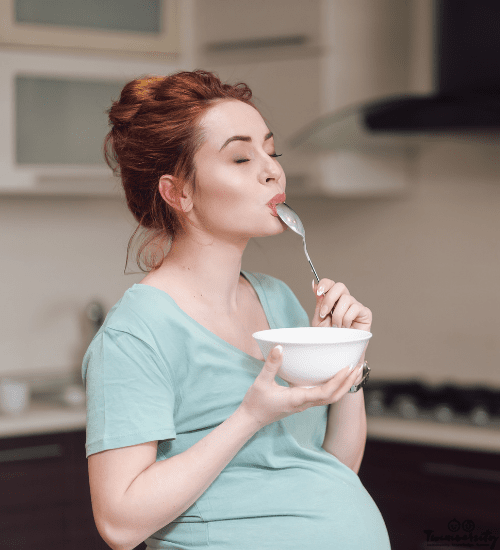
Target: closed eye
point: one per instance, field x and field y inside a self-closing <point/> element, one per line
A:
<point x="239" y="161"/>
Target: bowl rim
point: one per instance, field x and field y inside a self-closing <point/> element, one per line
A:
<point x="261" y="335"/>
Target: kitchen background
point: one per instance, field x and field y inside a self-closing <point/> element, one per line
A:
<point x="412" y="232"/>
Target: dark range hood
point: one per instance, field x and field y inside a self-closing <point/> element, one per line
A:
<point x="466" y="102"/>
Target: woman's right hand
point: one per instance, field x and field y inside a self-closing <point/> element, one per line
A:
<point x="267" y="401"/>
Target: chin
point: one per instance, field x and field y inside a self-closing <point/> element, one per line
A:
<point x="274" y="227"/>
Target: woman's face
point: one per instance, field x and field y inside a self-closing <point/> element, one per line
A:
<point x="236" y="174"/>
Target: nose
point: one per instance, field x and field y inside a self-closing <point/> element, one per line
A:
<point x="271" y="170"/>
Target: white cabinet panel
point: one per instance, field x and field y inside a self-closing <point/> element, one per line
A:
<point x="62" y="121"/>
<point x="149" y="27"/>
<point x="243" y="30"/>
<point x="235" y="20"/>
<point x="53" y="116"/>
<point x="111" y="15"/>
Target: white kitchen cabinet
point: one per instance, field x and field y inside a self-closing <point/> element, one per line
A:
<point x="71" y="111"/>
<point x="52" y="112"/>
<point x="240" y="29"/>
<point x="150" y="27"/>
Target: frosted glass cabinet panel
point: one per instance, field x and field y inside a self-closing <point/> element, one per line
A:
<point x="118" y="15"/>
<point x="62" y="121"/>
<point x="145" y="27"/>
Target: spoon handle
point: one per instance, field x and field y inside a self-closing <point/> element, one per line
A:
<point x="309" y="260"/>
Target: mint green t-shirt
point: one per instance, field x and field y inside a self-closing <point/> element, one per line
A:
<point x="152" y="373"/>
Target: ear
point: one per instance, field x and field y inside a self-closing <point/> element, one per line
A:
<point x="167" y="187"/>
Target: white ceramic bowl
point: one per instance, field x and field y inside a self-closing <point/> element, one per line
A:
<point x="312" y="355"/>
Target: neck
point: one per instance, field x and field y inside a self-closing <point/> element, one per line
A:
<point x="207" y="271"/>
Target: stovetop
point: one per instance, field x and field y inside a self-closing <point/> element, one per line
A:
<point x="445" y="403"/>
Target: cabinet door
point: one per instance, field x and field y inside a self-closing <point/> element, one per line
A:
<point x="34" y="493"/>
<point x="424" y="492"/>
<point x="239" y="26"/>
<point x="45" y="495"/>
<point x="146" y="27"/>
<point x="25" y="529"/>
<point x="70" y="111"/>
<point x="32" y="472"/>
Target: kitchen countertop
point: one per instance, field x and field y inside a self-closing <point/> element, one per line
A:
<point x="43" y="418"/>
<point x="457" y="436"/>
<point x="50" y="418"/>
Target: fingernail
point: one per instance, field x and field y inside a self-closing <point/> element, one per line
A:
<point x="320" y="290"/>
<point x="360" y="368"/>
<point x="351" y="366"/>
<point x="277" y="351"/>
<point x="323" y="312"/>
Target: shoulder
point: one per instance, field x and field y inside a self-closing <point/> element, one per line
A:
<point x="136" y="324"/>
<point x="139" y="311"/>
<point x="128" y="340"/>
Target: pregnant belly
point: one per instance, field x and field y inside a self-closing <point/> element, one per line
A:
<point x="307" y="512"/>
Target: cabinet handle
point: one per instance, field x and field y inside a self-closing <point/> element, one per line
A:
<point x="464" y="472"/>
<point x="30" y="453"/>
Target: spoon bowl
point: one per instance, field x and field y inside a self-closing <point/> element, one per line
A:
<point x="291" y="219"/>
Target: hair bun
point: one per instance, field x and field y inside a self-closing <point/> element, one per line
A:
<point x="146" y="88"/>
<point x="133" y="96"/>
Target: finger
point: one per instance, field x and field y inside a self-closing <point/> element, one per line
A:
<point x="322" y="287"/>
<point x="338" y="392"/>
<point x="272" y="364"/>
<point x="321" y="394"/>
<point x="351" y="314"/>
<point x="344" y="303"/>
<point x="331" y="298"/>
<point x="364" y="319"/>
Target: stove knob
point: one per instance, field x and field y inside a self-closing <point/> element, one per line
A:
<point x="406" y="406"/>
<point x="443" y="413"/>
<point x="480" y="416"/>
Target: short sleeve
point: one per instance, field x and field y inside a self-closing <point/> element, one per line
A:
<point x="130" y="395"/>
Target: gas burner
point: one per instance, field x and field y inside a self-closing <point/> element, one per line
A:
<point x="446" y="403"/>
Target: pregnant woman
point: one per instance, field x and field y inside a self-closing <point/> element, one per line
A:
<point x="193" y="441"/>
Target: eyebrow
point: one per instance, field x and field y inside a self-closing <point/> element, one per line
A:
<point x="244" y="138"/>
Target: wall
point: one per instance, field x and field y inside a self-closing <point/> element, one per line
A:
<point x="428" y="266"/>
<point x="57" y="255"/>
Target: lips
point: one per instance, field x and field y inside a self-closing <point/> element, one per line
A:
<point x="277" y="199"/>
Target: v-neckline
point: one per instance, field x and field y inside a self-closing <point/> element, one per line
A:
<point x="260" y="295"/>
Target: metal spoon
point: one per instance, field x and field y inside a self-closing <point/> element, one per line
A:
<point x="293" y="221"/>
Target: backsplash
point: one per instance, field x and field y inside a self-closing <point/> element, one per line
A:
<point x="60" y="254"/>
<point x="427" y="264"/>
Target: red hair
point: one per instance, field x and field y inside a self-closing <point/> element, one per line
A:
<point x="154" y="132"/>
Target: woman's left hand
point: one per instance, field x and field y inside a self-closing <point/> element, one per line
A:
<point x="348" y="312"/>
